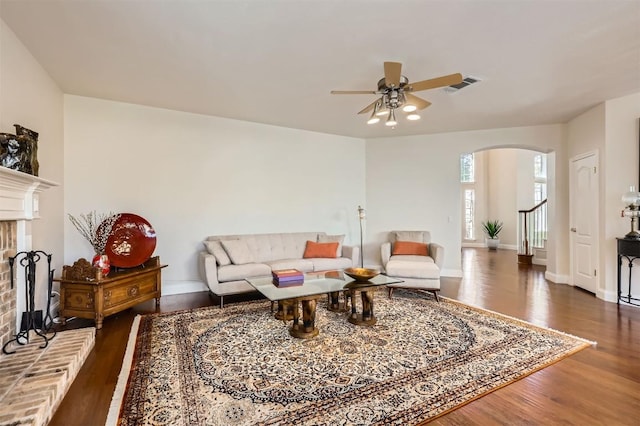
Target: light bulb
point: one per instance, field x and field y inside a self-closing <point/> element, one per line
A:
<point x="413" y="117"/>
<point x="409" y="108"/>
<point x="382" y="111"/>
<point x="373" y="120"/>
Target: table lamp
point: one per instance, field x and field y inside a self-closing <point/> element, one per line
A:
<point x="632" y="200"/>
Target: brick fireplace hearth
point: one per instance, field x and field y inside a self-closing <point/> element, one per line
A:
<point x="8" y="246"/>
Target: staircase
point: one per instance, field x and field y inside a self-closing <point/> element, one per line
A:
<point x="532" y="235"/>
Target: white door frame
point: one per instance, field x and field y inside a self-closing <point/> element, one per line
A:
<point x="572" y="236"/>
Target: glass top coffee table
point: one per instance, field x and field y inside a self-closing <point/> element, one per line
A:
<point x="316" y="285"/>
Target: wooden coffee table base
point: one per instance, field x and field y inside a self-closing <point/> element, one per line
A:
<point x="307" y="329"/>
<point x="285" y="310"/>
<point x="366" y="317"/>
<point x="334" y="304"/>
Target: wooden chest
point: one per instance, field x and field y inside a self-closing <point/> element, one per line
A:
<point x="84" y="293"/>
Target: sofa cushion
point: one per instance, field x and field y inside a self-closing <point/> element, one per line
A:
<point x="238" y="251"/>
<point x="413" y="258"/>
<point x="313" y="249"/>
<point x="304" y="265"/>
<point x="240" y="272"/>
<point x="415" y="236"/>
<point x="216" y="249"/>
<point x="326" y="264"/>
<point x="323" y="238"/>
<point x="412" y="267"/>
<point x="409" y="247"/>
<point x="269" y="247"/>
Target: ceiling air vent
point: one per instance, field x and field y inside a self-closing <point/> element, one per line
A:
<point x="467" y="81"/>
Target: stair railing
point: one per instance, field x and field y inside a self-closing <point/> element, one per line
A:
<point x="532" y="226"/>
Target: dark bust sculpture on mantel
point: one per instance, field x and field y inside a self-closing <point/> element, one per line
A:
<point x="20" y="151"/>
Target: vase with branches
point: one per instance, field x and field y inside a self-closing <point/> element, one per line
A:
<point x="96" y="228"/>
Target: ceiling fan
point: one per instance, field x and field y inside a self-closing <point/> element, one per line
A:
<point x="395" y="90"/>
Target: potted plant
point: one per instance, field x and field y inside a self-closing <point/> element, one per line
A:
<point x="492" y="228"/>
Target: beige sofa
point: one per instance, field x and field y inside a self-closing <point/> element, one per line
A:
<point x="228" y="259"/>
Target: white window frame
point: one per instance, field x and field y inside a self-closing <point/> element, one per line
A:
<point x="471" y="172"/>
<point x="539" y="178"/>
<point x="469" y="213"/>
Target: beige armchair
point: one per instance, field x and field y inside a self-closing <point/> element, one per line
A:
<point x="412" y="257"/>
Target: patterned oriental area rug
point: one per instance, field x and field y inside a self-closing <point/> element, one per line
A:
<point x="240" y="366"/>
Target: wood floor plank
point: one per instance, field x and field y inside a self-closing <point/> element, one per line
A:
<point x="597" y="386"/>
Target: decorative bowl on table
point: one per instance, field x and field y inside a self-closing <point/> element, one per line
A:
<point x="361" y="274"/>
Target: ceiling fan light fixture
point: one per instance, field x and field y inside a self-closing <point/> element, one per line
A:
<point x="396" y="92"/>
<point x="391" y="120"/>
<point x="409" y="108"/>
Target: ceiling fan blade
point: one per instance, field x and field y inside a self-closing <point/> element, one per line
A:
<point x="353" y="92"/>
<point x="433" y="83"/>
<point x="418" y="102"/>
<point x="392" y="74"/>
<point x="369" y="107"/>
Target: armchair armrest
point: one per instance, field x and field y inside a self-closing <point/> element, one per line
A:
<point x="437" y="252"/>
<point x="351" y="252"/>
<point x="208" y="270"/>
<point x="385" y="252"/>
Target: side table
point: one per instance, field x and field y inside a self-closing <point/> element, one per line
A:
<point x="84" y="293"/>
<point x="630" y="250"/>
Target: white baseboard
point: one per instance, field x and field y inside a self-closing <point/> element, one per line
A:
<point x="474" y="245"/>
<point x="608" y="296"/>
<point x="179" y="287"/>
<point x="542" y="262"/>
<point x="556" y="278"/>
<point x="456" y="273"/>
<point x="483" y="245"/>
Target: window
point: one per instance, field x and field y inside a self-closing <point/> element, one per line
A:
<point x="540" y="166"/>
<point x="469" y="201"/>
<point x="540" y="178"/>
<point x="467" y="178"/>
<point x="539" y="192"/>
<point x="467" y="167"/>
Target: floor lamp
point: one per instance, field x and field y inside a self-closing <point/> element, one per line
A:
<point x="361" y="215"/>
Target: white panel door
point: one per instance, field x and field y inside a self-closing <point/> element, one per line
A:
<point x="584" y="221"/>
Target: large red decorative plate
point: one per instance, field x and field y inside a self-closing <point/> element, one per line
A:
<point x="131" y="242"/>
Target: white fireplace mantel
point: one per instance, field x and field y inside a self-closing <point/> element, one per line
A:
<point x="19" y="194"/>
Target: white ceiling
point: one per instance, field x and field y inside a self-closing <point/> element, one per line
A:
<point x="275" y="62"/>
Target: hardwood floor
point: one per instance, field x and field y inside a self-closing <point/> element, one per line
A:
<point x="597" y="386"/>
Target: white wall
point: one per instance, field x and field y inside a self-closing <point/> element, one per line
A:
<point x="611" y="129"/>
<point x="30" y="98"/>
<point x="413" y="183"/>
<point x="503" y="194"/>
<point x="192" y="176"/>
<point x="620" y="171"/>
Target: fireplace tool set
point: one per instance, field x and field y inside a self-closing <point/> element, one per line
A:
<point x="42" y="327"/>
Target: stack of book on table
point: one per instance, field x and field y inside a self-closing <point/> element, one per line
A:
<point x="287" y="277"/>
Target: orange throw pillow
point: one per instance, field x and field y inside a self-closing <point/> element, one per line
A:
<point x="320" y="250"/>
<point x="409" y="247"/>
